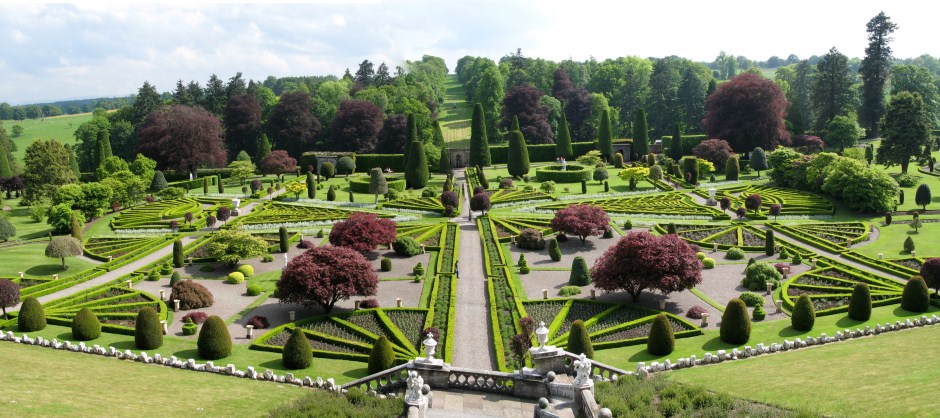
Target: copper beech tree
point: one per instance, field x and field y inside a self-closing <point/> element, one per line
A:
<point x="747" y="111"/>
<point x="322" y="276"/>
<point x="182" y="138"/>
<point x="362" y="232"/>
<point x="581" y="221"/>
<point x="641" y="261"/>
<point x="278" y="162"/>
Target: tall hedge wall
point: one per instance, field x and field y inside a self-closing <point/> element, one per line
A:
<point x="542" y="153"/>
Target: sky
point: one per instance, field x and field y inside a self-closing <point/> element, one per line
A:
<point x="52" y="52"/>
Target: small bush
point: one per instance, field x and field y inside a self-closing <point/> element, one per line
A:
<point x="320" y="233"/>
<point x="214" y="341"/>
<point x="804" y="314"/>
<point x="661" y="340"/>
<point x="530" y="239"/>
<point x="259" y="322"/>
<point x="174" y="278"/>
<point x="708" y="263"/>
<point x="566" y="291"/>
<point x="700" y="255"/>
<point x="561" y="238"/>
<point x="297" y="352"/>
<point x="916" y="296"/>
<point x="148" y="332"/>
<point x="246" y="270"/>
<point x="235" y="278"/>
<point x="166" y="269"/>
<point x="207" y="269"/>
<point x="860" y="303"/>
<point x="192" y="295"/>
<point x="85" y="325"/>
<point x="153" y="276"/>
<point x="758" y="274"/>
<point x="406" y="246"/>
<point x="628" y="225"/>
<point x="382" y="357"/>
<point x="580" y="274"/>
<point x="386" y="264"/>
<point x="608" y="233"/>
<point x="32" y="316"/>
<point x="418" y="270"/>
<point x="304" y="244"/>
<point x="554" y="251"/>
<point x="253" y="290"/>
<point x="190" y="328"/>
<point x="735" y="323"/>
<point x="752" y="299"/>
<point x="370" y="303"/>
<point x="734" y="253"/>
<point x="196" y="317"/>
<point x="759" y="313"/>
<point x="579" y="341"/>
<point x="523" y="265"/>
<point x="267" y="258"/>
<point x="797" y="259"/>
<point x="784" y="254"/>
<point x="696" y="312"/>
<point x="909" y="245"/>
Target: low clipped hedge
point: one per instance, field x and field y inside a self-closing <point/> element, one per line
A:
<point x="366" y="162"/>
<point x="574" y="173"/>
<point x="361" y="184"/>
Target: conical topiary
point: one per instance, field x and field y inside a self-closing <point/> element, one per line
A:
<point x="382" y="357"/>
<point x="580" y="275"/>
<point x="148" y="332"/>
<point x="860" y="303"/>
<point x="85" y="325"/>
<point x="661" y="340"/>
<point x="579" y="341"/>
<point x="518" y="159"/>
<point x="554" y="251"/>
<point x="177" y="254"/>
<point x="804" y="314"/>
<point x="916" y="296"/>
<point x="297" y="352"/>
<point x="735" y="323"/>
<point x="32" y="316"/>
<point x="214" y="340"/>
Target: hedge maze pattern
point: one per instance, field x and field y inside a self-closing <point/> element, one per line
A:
<point x="430" y="204"/>
<point x="666" y="204"/>
<point x="792" y="202"/>
<point x="158" y="215"/>
<point x="116" y="308"/>
<point x="509" y="196"/>
<point x="276" y="213"/>
<point x="830" y="287"/>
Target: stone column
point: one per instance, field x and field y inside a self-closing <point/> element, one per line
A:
<point x="249" y="327"/>
<point x="593" y="293"/>
<point x="704" y="320"/>
<point x="162" y="294"/>
<point x="165" y="328"/>
<point x="130" y="283"/>
<point x="544" y="293"/>
<point x="398" y="302"/>
<point x="292" y="315"/>
<point x="176" y="305"/>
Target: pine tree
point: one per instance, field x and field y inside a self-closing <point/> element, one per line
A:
<point x="563" y="139"/>
<point x="5" y="170"/>
<point x="311" y="186"/>
<point x="675" y="147"/>
<point x="875" y="69"/>
<point x="641" y="139"/>
<point x="416" y="170"/>
<point x="73" y="161"/>
<point x="264" y="148"/>
<point x="479" y="146"/>
<point x="518" y="160"/>
<point x="411" y="135"/>
<point x="159" y="182"/>
<point x="605" y="139"/>
<point x="104" y="146"/>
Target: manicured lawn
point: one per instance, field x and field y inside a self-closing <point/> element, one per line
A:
<point x="761" y="332"/>
<point x="877" y="376"/>
<point x="456" y="115"/>
<point x="60" y="128"/>
<point x="891" y="240"/>
<point x="51" y="382"/>
<point x="31" y="259"/>
<point x="267" y="280"/>
<point x="184" y="348"/>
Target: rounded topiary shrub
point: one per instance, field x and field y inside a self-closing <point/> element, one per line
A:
<point x="85" y="325"/>
<point x="370" y="303"/>
<point x="554" y="251"/>
<point x="235" y="278"/>
<point x="406" y="246"/>
<point x="758" y="274"/>
<point x="797" y="259"/>
<point x="580" y="274"/>
<point x="32" y="316"/>
<point x="752" y="299"/>
<point x="804" y="314"/>
<point x="662" y="340"/>
<point x="418" y="270"/>
<point x="860" y="303"/>
<point x="253" y="290"/>
<point x="382" y="357"/>
<point x="174" y="278"/>
<point x="190" y="327"/>
<point x="708" y="263"/>
<point x="530" y="239"/>
<point x="246" y="270"/>
<point x="154" y="275"/>
<point x="735" y="323"/>
<point x="759" y="313"/>
<point x="192" y="295"/>
<point x="579" y="341"/>
<point x="148" y="332"/>
<point x="386" y="264"/>
<point x="214" y="340"/>
<point x="700" y="255"/>
<point x="734" y="253"/>
<point x="258" y="322"/>
<point x="916" y="296"/>
<point x="566" y="291"/>
<point x="297" y="352"/>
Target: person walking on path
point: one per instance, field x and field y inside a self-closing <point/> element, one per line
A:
<point x="457" y="268"/>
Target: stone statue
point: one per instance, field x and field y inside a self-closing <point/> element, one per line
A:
<point x="285" y="260"/>
<point x="415" y="382"/>
<point x="582" y="366"/>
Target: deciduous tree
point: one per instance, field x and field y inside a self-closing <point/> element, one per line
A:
<point x="581" y="221"/>
<point x="62" y="247"/>
<point x="930" y="271"/>
<point x="231" y="246"/>
<point x="46" y="169"/>
<point x="356" y="126"/>
<point x="278" y="162"/>
<point x="523" y="102"/>
<point x="362" y="232"/>
<point x="748" y="112"/>
<point x="842" y="132"/>
<point x="182" y="138"/>
<point x="480" y="202"/>
<point x="641" y="261"/>
<point x="291" y="125"/>
<point x="242" y="126"/>
<point x="9" y="295"/>
<point x="905" y="129"/>
<point x="325" y="275"/>
<point x="715" y="150"/>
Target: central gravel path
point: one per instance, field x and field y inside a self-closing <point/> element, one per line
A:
<point x="473" y="347"/>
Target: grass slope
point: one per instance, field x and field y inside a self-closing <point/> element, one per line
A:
<point x="31" y="259"/>
<point x="456" y="114"/>
<point x="81" y="384"/>
<point x="60" y="128"/>
<point x="853" y="378"/>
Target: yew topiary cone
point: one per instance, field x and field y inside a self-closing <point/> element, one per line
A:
<point x="148" y="332"/>
<point x="382" y="357"/>
<point x="214" y="340"/>
<point x="735" y="323"/>
<point x="860" y="303"/>
<point x="86" y="326"/>
<point x="804" y="314"/>
<point x="661" y="340"/>
<point x="916" y="296"/>
<point x="297" y="352"/>
<point x="32" y="317"/>
<point x="579" y="341"/>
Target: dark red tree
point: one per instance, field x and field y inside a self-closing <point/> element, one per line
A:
<point x="716" y="151"/>
<point x="740" y="212"/>
<point x="188" y="217"/>
<point x="182" y="138"/>
<point x="775" y="210"/>
<point x="449" y="198"/>
<point x="581" y="221"/>
<point x="291" y="125"/>
<point x="753" y="202"/>
<point x="480" y="202"/>
<point x="356" y="126"/>
<point x="523" y="102"/>
<point x="578" y="111"/>
<point x="223" y="213"/>
<point x="641" y="261"/>
<point x="748" y="111"/>
<point x="393" y="136"/>
<point x="9" y="295"/>
<point x="278" y="162"/>
<point x="724" y="203"/>
<point x="325" y="275"/>
<point x="362" y="232"/>
<point x="210" y="221"/>
<point x="242" y="125"/>
<point x="930" y="271"/>
<point x="808" y="144"/>
<point x="562" y="87"/>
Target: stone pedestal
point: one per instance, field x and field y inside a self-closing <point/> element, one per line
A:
<point x="292" y="315"/>
<point x="579" y="396"/>
<point x="435" y="372"/>
<point x="547" y="359"/>
<point x="235" y="213"/>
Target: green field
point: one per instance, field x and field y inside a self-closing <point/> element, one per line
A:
<point x="455" y="115"/>
<point x="874" y="376"/>
<point x="50" y="382"/>
<point x="60" y="128"/>
<point x="31" y="259"/>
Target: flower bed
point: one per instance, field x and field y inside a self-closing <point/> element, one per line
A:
<point x="793" y="202"/>
<point x="830" y="286"/>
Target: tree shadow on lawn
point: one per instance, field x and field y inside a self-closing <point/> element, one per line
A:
<point x="46" y="270"/>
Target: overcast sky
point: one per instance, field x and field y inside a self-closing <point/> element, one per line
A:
<point x="56" y="52"/>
